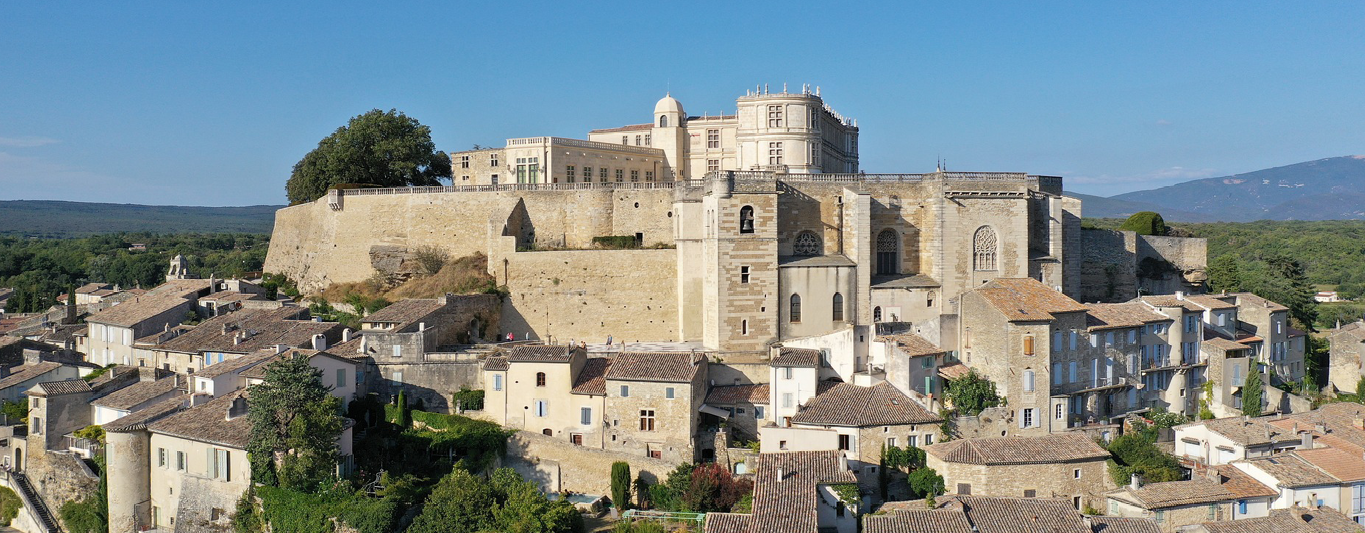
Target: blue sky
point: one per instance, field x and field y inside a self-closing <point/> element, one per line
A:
<point x="212" y="104"/>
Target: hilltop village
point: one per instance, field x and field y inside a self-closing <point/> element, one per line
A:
<point x="707" y="322"/>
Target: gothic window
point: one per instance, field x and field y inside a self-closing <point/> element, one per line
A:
<point x="807" y="243"/>
<point x="888" y="252"/>
<point x="746" y="219"/>
<point x="838" y="307"/>
<point x="984" y="248"/>
<point x="663" y="122"/>
<point x="795" y="312"/>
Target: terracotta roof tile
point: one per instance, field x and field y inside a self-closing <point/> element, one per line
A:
<point x="1246" y="298"/>
<point x="1171" y="301"/>
<point x="1241" y="484"/>
<point x="1019" y="515"/>
<point x="1054" y="448"/>
<point x="141" y="392"/>
<point x="645" y="366"/>
<point x="1246" y="432"/>
<point x="495" y="363"/>
<point x="1118" y="524"/>
<point x="139" y="420"/>
<point x="591" y="379"/>
<point x="797" y="357"/>
<point x="1213" y="302"/>
<point x="911" y="345"/>
<point x="405" y="312"/>
<point x="132" y="312"/>
<point x="785" y="484"/>
<point x="1173" y="494"/>
<point x="208" y="423"/>
<point x="1337" y="463"/>
<point x="735" y="394"/>
<point x="66" y="386"/>
<point x="248" y="330"/>
<point x="919" y="521"/>
<point x="22" y="373"/>
<point x="1026" y="299"/>
<point x="727" y="523"/>
<point x="1121" y="315"/>
<point x="1294" y="520"/>
<point x="1290" y="470"/>
<point x="541" y="353"/>
<point x="846" y="404"/>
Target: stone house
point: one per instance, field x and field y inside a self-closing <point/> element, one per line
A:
<point x="912" y="363"/>
<point x="113" y="331"/>
<point x="982" y="514"/>
<point x="233" y="335"/>
<point x="746" y="408"/>
<point x="1172" y="504"/>
<point x="864" y="420"/>
<point x="794" y="491"/>
<point x="1224" y="440"/>
<point x="137" y="396"/>
<point x="530" y="389"/>
<point x="1347" y="344"/>
<point x="1294" y="520"/>
<point x="794" y="378"/>
<point x="1062" y="465"/>
<point x="56" y="408"/>
<point x="19" y="379"/>
<point x="416" y="345"/>
<point x="1299" y="481"/>
<point x="653" y="403"/>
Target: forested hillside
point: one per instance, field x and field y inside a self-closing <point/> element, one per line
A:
<point x="40" y="269"/>
<point x="44" y="218"/>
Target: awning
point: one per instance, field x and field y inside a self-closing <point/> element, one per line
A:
<point x="714" y="411"/>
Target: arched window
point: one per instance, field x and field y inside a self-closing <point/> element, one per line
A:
<point x="888" y="252"/>
<point x="877" y="314"/>
<point x="807" y="243"/>
<point x="984" y="246"/>
<point x="746" y="219"/>
<point x="838" y="307"/>
<point x="540" y="379"/>
<point x="795" y="313"/>
<point x="663" y="122"/>
<point x="548" y="432"/>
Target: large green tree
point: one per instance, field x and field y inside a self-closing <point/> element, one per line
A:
<point x="388" y="149"/>
<point x="293" y="419"/>
<point x="1252" y="390"/>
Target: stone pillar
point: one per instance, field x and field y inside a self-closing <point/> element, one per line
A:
<point x="128" y="460"/>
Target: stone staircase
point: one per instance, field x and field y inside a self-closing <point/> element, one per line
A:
<point x="35" y="503"/>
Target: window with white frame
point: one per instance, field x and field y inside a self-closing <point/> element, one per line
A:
<point x="713" y="138"/>
<point x="713" y="165"/>
<point x="542" y="408"/>
<point x="774" y="116"/>
<point x="775" y="153"/>
<point x="1028" y="381"/>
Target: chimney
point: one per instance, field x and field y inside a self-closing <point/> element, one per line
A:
<point x="1180" y="295"/>
<point x="199" y="399"/>
<point x="319" y="342"/>
<point x="1322" y="428"/>
<point x="346" y="335"/>
<point x="843" y="462"/>
<point x="421" y="326"/>
<point x="364" y="344"/>
<point x="1306" y="440"/>
<point x="1359" y="423"/>
<point x="281" y="348"/>
<point x="1135" y="482"/>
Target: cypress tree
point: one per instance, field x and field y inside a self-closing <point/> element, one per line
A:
<point x="1251" y="391"/>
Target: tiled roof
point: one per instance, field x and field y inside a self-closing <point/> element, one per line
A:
<point x="904" y="281"/>
<point x="1294" y="520"/>
<point x="1053" y="448"/>
<point x="1217" y="340"/>
<point x="1241" y="484"/>
<point x="785" y="484"/>
<point x="1338" y="418"/>
<point x="1290" y="470"/>
<point x="953" y="371"/>
<point x="91" y="287"/>
<point x="541" y="353"/>
<point x="802" y="357"/>
<point x="231" y="296"/>
<point x="22" y="373"/>
<point x="405" y="312"/>
<point x="734" y="394"/>
<point x="139" y="420"/>
<point x="727" y="523"/>
<point x="592" y="378"/>
<point x="1019" y="515"/>
<point x="911" y="345"/>
<point x="1249" y="299"/>
<point x="1171" y="301"/>
<point x="631" y="127"/>
<point x="141" y="392"/>
<point x="262" y="328"/>
<point x="846" y="404"/>
<point x="1337" y="463"/>
<point x="133" y="312"/>
<point x="351" y="349"/>
<point x="645" y="366"/>
<point x="832" y="260"/>
<point x="1118" y="524"/>
<point x="208" y="423"/>
<point x="1169" y="494"/>
<point x="495" y="363"/>
<point x="1245" y="432"/>
<point x="1355" y="329"/>
<point x="919" y="521"/>
<point x="1122" y="315"/>
<point x="1212" y="302"/>
<point x="67" y="386"/>
<point x="235" y="364"/>
<point x="1026" y="299"/>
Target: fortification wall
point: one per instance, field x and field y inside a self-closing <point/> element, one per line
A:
<point x="630" y="295"/>
<point x="1116" y="265"/>
<point x="316" y="245"/>
<point x="556" y="464"/>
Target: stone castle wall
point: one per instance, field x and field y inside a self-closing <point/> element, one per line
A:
<point x="556" y="464"/>
<point x="1116" y="265"/>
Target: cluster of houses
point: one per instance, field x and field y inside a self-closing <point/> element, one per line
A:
<point x="166" y="372"/>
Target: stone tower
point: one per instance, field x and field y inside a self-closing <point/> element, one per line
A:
<point x="668" y="135"/>
<point x="180" y="268"/>
<point x="740" y="263"/>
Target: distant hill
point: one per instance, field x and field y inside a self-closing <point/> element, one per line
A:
<point x="46" y="218"/>
<point x="1101" y="207"/>
<point x="1326" y="189"/>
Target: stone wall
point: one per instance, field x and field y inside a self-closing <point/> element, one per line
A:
<point x="1116" y="265"/>
<point x="60" y="477"/>
<point x="1046" y="480"/>
<point x="433" y="382"/>
<point x="557" y="465"/>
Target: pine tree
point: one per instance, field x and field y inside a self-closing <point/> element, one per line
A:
<point x="620" y="485"/>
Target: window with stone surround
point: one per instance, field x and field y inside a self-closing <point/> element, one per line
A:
<point x="774" y="116"/>
<point x="646" y="420"/>
<point x="794" y="313"/>
<point x="713" y="138"/>
<point x="888" y="252"/>
<point x="775" y="153"/>
<point x="807" y="243"/>
<point x="838" y="304"/>
<point x="746" y="219"/>
<point x="984" y="249"/>
<point x="744" y="274"/>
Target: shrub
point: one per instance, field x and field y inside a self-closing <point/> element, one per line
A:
<point x="9" y="506"/>
<point x="616" y="242"/>
<point x="431" y="258"/>
<point x="972" y="393"/>
<point x="1145" y="223"/>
